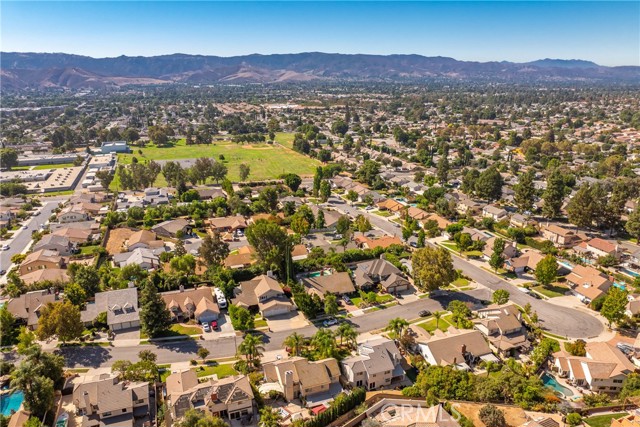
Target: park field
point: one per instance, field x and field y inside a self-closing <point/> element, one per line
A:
<point x="265" y="160"/>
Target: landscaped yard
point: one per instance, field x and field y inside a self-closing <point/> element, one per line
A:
<point x="381" y="299"/>
<point x="430" y="325"/>
<point x="385" y="214"/>
<point x="603" y="420"/>
<point x="551" y="291"/>
<point x="88" y="250"/>
<point x="221" y="371"/>
<point x="266" y="161"/>
<point x="177" y="330"/>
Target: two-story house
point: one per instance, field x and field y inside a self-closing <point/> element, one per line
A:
<point x="377" y="364"/>
<point x="185" y="304"/>
<point x="588" y="283"/>
<point x="60" y="244"/>
<point x="73" y="213"/>
<point x="263" y="294"/>
<point x="27" y="307"/>
<point x="227" y="398"/>
<point x="380" y="272"/>
<point x="559" y="236"/>
<point x="494" y="212"/>
<point x="502" y="327"/>
<point x="41" y="259"/>
<point x="105" y="400"/>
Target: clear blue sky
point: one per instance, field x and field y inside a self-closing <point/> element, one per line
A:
<point x="607" y="32"/>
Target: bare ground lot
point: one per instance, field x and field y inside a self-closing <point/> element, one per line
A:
<point x="116" y="239"/>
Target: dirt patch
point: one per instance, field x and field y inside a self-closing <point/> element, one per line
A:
<point x="116" y="239"/>
<point x="513" y="415"/>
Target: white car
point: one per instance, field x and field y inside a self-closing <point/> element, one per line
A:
<point x="5" y="247"/>
<point x="329" y="322"/>
<point x="206" y="327"/>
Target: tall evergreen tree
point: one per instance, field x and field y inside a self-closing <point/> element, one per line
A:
<point x="489" y="184"/>
<point x="525" y="191"/>
<point x="154" y="315"/>
<point x="580" y="207"/>
<point x="553" y="195"/>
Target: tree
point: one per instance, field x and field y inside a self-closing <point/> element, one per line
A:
<point x="61" y="320"/>
<point x="8" y="328"/>
<point x="547" y="270"/>
<point x="87" y="277"/>
<point x="317" y="180"/>
<point x="443" y="169"/>
<point x="183" y="265"/>
<point x="330" y="305"/>
<point x="614" y="305"/>
<point x="39" y="394"/>
<point x="437" y="315"/>
<point x="460" y="314"/>
<point x="269" y="196"/>
<point x="580" y="209"/>
<point x="214" y="250"/>
<point x="269" y="417"/>
<point x="497" y="259"/>
<point x="203" y="353"/>
<point x="369" y="172"/>
<point x="525" y="191"/>
<point x="292" y="181"/>
<point x="198" y="418"/>
<point x="8" y="158"/>
<point x="633" y="223"/>
<point x="310" y="305"/>
<point x="244" y="170"/>
<point x="320" y="221"/>
<point x="155" y="318"/>
<point x="432" y="268"/>
<point x="362" y="224"/>
<point x="105" y="177"/>
<point x="324" y="342"/>
<point x="270" y="242"/>
<point x="491" y="416"/>
<point x="300" y="225"/>
<point x="489" y="184"/>
<point x="218" y="171"/>
<point x="294" y="343"/>
<point x="573" y="419"/>
<point x="251" y="347"/>
<point x="241" y="318"/>
<point x="347" y="333"/>
<point x="339" y="128"/>
<point x="500" y="297"/>
<point x="352" y="196"/>
<point x="325" y="191"/>
<point x="553" y="195"/>
<point x="397" y="325"/>
<point x="33" y="422"/>
<point x="75" y="294"/>
<point x="343" y="225"/>
<point x="576" y="348"/>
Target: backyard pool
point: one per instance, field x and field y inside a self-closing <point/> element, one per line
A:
<point x="630" y="272"/>
<point x="619" y="285"/>
<point x="566" y="264"/>
<point x="319" y="273"/>
<point x="551" y="382"/>
<point x="10" y="402"/>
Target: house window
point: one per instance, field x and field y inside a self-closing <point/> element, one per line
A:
<point x="358" y="383"/>
<point x="139" y="401"/>
<point x="106" y="414"/>
<point x="372" y="386"/>
<point x="124" y="409"/>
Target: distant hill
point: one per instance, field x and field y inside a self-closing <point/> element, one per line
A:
<point x="60" y="70"/>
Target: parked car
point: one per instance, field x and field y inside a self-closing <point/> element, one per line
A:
<point x="346" y="299"/>
<point x="625" y="348"/>
<point x="24" y="227"/>
<point x="5" y="247"/>
<point x="413" y="244"/>
<point x="206" y="327"/>
<point x="329" y="322"/>
<point x="424" y="313"/>
<point x="214" y="325"/>
<point x="338" y="236"/>
<point x="3" y="272"/>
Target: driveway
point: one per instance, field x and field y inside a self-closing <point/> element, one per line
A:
<point x="287" y="322"/>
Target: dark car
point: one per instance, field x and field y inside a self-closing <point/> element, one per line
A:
<point x="535" y="295"/>
<point x="424" y="313"/>
<point x="3" y="272"/>
<point x="346" y="299"/>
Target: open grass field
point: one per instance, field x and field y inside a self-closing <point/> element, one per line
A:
<point x="265" y="160"/>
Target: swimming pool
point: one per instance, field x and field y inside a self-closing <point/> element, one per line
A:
<point x="319" y="273"/>
<point x="10" y="402"/>
<point x="551" y="382"/>
<point x="619" y="285"/>
<point x="566" y="264"/>
<point x="630" y="272"/>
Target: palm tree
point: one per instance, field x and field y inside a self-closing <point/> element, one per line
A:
<point x="346" y="332"/>
<point x="437" y="315"/>
<point x="295" y="341"/>
<point x="397" y="325"/>
<point x="252" y="348"/>
<point x="324" y="342"/>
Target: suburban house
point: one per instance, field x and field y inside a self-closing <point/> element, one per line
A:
<point x="227" y="224"/>
<point x="106" y="401"/>
<point x="147" y="259"/>
<point x="77" y="235"/>
<point x="263" y="294"/>
<point x="384" y="242"/>
<point x="390" y="205"/>
<point x="588" y="283"/>
<point x="331" y="218"/>
<point x="143" y="239"/>
<point x="442" y="222"/>
<point x="494" y="212"/>
<point x="230" y="397"/>
<point x="417" y="213"/>
<point x="243" y="259"/>
<point x="72" y="213"/>
<point x="559" y="236"/>
<point x="56" y="275"/>
<point x="27" y="307"/>
<point x="527" y="261"/>
<point x="598" y="247"/>
<point x="62" y="245"/>
<point x="465" y="204"/>
<point x="299" y="252"/>
<point x="630" y="420"/>
<point x="297" y="378"/>
<point x="380" y="272"/>
<point x="173" y="228"/>
<point x="377" y="364"/>
<point x="402" y="412"/>
<point x="185" y="304"/>
<point x="519" y="221"/>
<point x="502" y="327"/>
<point x="510" y="249"/>
<point x="460" y="348"/>
<point x="603" y="369"/>
<point x="209" y="193"/>
<point x="335" y="283"/>
<point x="120" y="305"/>
<point x="40" y="259"/>
<point x="156" y="196"/>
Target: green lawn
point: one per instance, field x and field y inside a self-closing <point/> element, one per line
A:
<point x="551" y="291"/>
<point x="285" y="139"/>
<point x="603" y="420"/>
<point x="461" y="282"/>
<point x="382" y="299"/>
<point x="385" y="214"/>
<point x="177" y="330"/>
<point x="60" y="166"/>
<point x="222" y="371"/>
<point x="88" y="250"/>
<point x="265" y="160"/>
<point x="259" y="322"/>
<point x="430" y="325"/>
<point x="450" y="245"/>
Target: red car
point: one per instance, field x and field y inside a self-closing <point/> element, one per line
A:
<point x="214" y="325"/>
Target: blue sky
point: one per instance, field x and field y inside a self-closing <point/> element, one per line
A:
<point x="606" y="32"/>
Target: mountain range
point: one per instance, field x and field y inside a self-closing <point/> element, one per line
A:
<point x="61" y="70"/>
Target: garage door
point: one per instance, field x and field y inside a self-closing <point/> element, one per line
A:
<point x="208" y="317"/>
<point x="275" y="311"/>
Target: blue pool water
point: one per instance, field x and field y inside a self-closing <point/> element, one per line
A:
<point x="551" y="382"/>
<point x="317" y="273"/>
<point x="620" y="285"/>
<point x="630" y="272"/>
<point x="566" y="264"/>
<point x="10" y="402"/>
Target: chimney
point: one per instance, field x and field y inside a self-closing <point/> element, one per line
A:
<point x="181" y="288"/>
<point x="463" y="349"/>
<point x="214" y="396"/>
<point x="87" y="403"/>
<point x="288" y="386"/>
